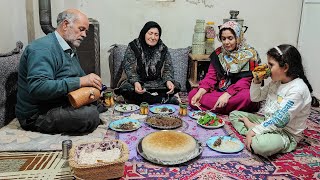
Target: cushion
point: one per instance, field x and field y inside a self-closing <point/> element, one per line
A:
<point x="8" y="85"/>
<point x="179" y="60"/>
<point x="115" y="63"/>
<point x="180" y="65"/>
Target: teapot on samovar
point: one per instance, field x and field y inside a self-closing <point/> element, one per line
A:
<point x="233" y="17"/>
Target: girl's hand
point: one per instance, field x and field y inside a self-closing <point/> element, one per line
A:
<point x="138" y="88"/>
<point x="256" y="81"/>
<point x="261" y="72"/>
<point x="248" y="141"/>
<point x="170" y="86"/>
<point x="247" y="122"/>
<point x="222" y="101"/>
<point x="195" y="100"/>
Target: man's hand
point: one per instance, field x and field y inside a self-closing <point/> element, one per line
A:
<point x="170" y="86"/>
<point x="222" y="101"/>
<point x="91" y="80"/>
<point x="248" y="141"/>
<point x="138" y="88"/>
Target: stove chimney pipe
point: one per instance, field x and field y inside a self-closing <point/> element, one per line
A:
<point x="45" y="16"/>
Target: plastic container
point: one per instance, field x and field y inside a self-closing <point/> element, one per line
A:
<point x="198" y="37"/>
<point x="209" y="46"/>
<point x="210" y="30"/>
<point x="199" y="27"/>
<point x="198" y="48"/>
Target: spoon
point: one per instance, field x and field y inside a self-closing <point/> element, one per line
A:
<point x="197" y="105"/>
<point x="152" y="94"/>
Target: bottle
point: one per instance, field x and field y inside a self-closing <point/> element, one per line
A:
<point x="66" y="146"/>
<point x="144" y="108"/>
<point x="201" y="76"/>
<point x="210" y="32"/>
<point x="183" y="109"/>
<point x="209" y="46"/>
<point x="108" y="98"/>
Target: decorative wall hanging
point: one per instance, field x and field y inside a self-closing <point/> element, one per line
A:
<point x="207" y="3"/>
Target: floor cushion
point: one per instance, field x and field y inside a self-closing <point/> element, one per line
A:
<point x="8" y="83"/>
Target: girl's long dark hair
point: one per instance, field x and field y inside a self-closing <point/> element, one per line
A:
<point x="291" y="56"/>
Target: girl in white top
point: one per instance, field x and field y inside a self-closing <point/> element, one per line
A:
<point x="287" y="107"/>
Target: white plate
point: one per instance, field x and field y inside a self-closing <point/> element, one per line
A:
<point x="115" y="124"/>
<point x="126" y="107"/>
<point x="137" y="116"/>
<point x="228" y="144"/>
<point x="212" y="127"/>
<point x="195" y="115"/>
<point x="159" y="109"/>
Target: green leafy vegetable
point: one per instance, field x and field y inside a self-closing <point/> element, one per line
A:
<point x="208" y="119"/>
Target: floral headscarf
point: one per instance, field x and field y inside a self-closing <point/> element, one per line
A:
<point x="237" y="60"/>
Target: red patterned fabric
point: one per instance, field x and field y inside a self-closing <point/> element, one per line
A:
<point x="303" y="163"/>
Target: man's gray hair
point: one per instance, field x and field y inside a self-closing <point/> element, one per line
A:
<point x="65" y="15"/>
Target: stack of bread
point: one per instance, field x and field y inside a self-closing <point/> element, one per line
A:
<point x="99" y="160"/>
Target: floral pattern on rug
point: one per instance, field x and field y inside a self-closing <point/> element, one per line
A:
<point x="303" y="163"/>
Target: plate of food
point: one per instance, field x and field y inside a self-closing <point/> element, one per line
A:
<point x="137" y="116"/>
<point x="198" y="114"/>
<point x="125" y="125"/>
<point x="164" y="121"/>
<point x="126" y="107"/>
<point x="225" y="144"/>
<point x="168" y="147"/>
<point x="210" y="121"/>
<point x="162" y="109"/>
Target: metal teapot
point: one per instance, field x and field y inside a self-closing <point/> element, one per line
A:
<point x="233" y="17"/>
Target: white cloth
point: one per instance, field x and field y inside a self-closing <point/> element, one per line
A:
<point x="287" y="106"/>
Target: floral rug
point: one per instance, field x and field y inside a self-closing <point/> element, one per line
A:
<point x="303" y="163"/>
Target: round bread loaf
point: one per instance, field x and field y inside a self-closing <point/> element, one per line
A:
<point x="170" y="146"/>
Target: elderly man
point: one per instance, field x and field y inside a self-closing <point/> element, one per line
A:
<point x="49" y="69"/>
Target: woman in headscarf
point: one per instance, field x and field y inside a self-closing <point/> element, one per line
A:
<point x="226" y="86"/>
<point x="148" y="69"/>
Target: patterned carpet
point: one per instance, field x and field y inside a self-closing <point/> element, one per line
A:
<point x="304" y="163"/>
<point x="34" y="165"/>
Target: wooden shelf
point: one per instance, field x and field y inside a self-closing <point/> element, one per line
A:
<point x="199" y="57"/>
<point x="201" y="61"/>
<point x="193" y="84"/>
